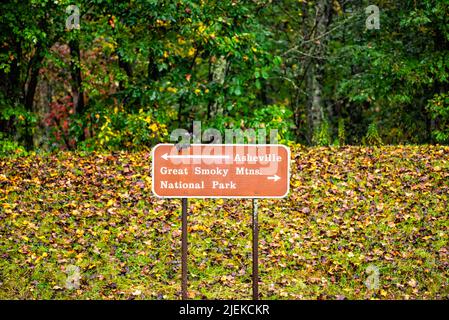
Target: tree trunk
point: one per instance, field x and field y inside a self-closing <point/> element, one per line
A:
<point x="32" y="84"/>
<point x="217" y="75"/>
<point x="77" y="89"/>
<point x="314" y="77"/>
<point x="34" y="67"/>
<point x="314" y="103"/>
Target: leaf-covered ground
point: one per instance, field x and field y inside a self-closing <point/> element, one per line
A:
<point x="349" y="208"/>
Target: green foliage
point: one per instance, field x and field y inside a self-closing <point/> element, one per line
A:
<point x="323" y="136"/>
<point x="228" y="64"/>
<point x="439" y="109"/>
<point x="273" y="117"/>
<point x="19" y="124"/>
<point x="10" y="148"/>
<point x="22" y="119"/>
<point x="122" y="130"/>
<point x="372" y="137"/>
<point x="258" y="125"/>
<point x="341" y="132"/>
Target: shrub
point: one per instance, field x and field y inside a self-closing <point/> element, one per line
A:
<point x="10" y="147"/>
<point x="123" y="130"/>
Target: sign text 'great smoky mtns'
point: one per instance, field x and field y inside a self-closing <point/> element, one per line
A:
<point x="221" y="171"/>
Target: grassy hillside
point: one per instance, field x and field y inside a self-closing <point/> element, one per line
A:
<point x="349" y="209"/>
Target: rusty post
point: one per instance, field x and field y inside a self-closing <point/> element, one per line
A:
<point x="255" y="251"/>
<point x="184" y="249"/>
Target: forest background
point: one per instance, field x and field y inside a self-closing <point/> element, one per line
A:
<point x="102" y="74"/>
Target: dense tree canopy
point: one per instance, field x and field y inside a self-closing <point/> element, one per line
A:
<point x="133" y="71"/>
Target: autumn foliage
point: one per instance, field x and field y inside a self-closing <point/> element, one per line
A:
<point x="349" y="208"/>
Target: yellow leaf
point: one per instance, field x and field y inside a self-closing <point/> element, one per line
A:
<point x="191" y="52"/>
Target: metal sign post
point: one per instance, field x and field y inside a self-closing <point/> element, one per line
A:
<point x="184" y="249"/>
<point x="255" y="251"/>
<point x="221" y="171"/>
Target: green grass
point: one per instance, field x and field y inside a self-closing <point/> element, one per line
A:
<point x="348" y="208"/>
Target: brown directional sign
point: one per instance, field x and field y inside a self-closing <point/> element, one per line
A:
<point x="221" y="171"/>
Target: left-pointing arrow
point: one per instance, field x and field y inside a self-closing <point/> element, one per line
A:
<point x="166" y="156"/>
